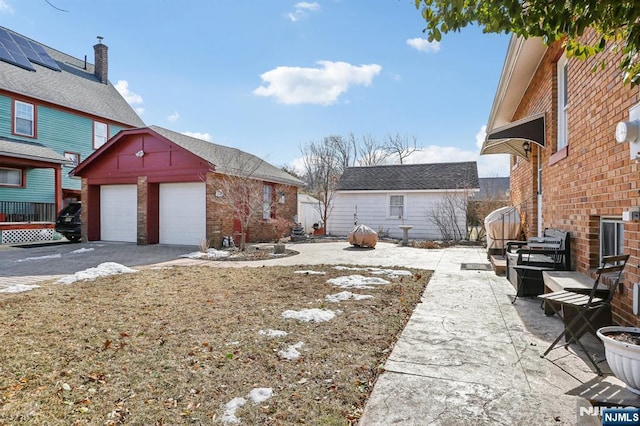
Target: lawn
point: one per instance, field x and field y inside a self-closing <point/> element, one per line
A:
<point x="201" y="345"/>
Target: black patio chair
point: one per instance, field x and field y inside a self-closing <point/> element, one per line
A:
<point x="580" y="308"/>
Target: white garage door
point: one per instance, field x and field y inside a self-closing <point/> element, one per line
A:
<point x="118" y="210"/>
<point x="182" y="213"/>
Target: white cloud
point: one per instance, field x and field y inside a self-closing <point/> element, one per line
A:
<point x="424" y="45"/>
<point x="199" y="135"/>
<point x="481" y="136"/>
<point x="122" y="86"/>
<point x="320" y="86"/>
<point x="5" y="7"/>
<point x="302" y="10"/>
<point x="173" y="117"/>
<point x="139" y="110"/>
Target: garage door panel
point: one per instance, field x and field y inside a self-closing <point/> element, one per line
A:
<point x="118" y="213"/>
<point x="182" y="213"/>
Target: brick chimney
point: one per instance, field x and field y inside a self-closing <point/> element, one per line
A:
<point x="101" y="61"/>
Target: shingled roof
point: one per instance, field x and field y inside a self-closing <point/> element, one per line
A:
<point x="228" y="160"/>
<point x="75" y="87"/>
<point x="410" y="177"/>
<point x="16" y="148"/>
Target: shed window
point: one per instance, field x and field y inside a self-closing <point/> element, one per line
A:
<point x="396" y="206"/>
<point x="24" y="122"/>
<point x="10" y="177"/>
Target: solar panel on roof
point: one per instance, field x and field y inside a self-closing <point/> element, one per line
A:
<point x="48" y="61"/>
<point x="12" y="53"/>
<point x="19" y="51"/>
<point x="35" y="53"/>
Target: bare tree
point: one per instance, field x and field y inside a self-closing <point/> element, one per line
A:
<point x="446" y="214"/>
<point x="451" y="214"/>
<point x="400" y="146"/>
<point x="239" y="191"/>
<point x="371" y="152"/>
<point x="324" y="163"/>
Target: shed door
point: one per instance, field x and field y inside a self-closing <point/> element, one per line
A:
<point x="118" y="213"/>
<point x="182" y="213"/>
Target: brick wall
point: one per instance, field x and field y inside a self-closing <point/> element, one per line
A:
<point x="143" y="208"/>
<point x="220" y="220"/>
<point x="594" y="178"/>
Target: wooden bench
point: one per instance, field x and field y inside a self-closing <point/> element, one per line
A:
<point x="540" y="252"/>
<point x="573" y="281"/>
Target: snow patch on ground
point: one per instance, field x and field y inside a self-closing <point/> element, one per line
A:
<point x="83" y="250"/>
<point x="259" y="395"/>
<point x="230" y="408"/>
<point x="273" y="333"/>
<point x="256" y="395"/>
<point x="51" y="256"/>
<point x="310" y="272"/>
<point x="357" y="281"/>
<point x="291" y="353"/>
<point x="102" y="270"/>
<point x="346" y="295"/>
<point x="210" y="254"/>
<point x="310" y="315"/>
<point x="376" y="271"/>
<point x="18" y="288"/>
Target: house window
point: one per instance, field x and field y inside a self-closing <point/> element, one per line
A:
<point x="611" y="237"/>
<point x="100" y="134"/>
<point x="23" y="119"/>
<point x="267" y="201"/>
<point x="73" y="157"/>
<point x="10" y="177"/>
<point x="563" y="103"/>
<point x="396" y="206"/>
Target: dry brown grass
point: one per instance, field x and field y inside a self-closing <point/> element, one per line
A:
<point x="173" y="346"/>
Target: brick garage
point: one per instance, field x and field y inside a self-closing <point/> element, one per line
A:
<point x="151" y="185"/>
<point x="589" y="180"/>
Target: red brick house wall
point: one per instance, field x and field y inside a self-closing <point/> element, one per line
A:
<point x="593" y="177"/>
<point x="220" y="221"/>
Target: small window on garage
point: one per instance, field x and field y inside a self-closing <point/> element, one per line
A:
<point x="396" y="206"/>
<point x="267" y="201"/>
<point x="11" y="177"/>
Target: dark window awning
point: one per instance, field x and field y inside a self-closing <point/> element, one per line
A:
<point x="509" y="139"/>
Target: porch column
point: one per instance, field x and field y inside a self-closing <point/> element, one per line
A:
<point x="58" y="188"/>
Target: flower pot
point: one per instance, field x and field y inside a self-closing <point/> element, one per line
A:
<point x="623" y="358"/>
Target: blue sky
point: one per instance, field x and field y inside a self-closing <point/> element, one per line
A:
<point x="270" y="76"/>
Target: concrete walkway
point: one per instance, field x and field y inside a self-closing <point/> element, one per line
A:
<point x="468" y="356"/>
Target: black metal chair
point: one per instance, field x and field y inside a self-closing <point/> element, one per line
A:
<point x="580" y="308"/>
